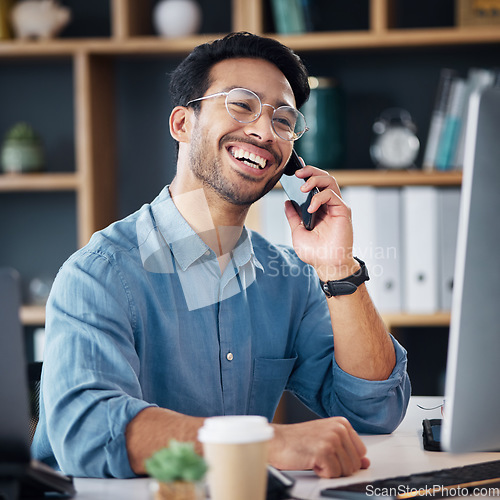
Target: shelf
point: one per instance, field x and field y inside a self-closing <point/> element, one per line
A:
<point x="396" y="38"/>
<point x="408" y="320"/>
<point x="388" y="178"/>
<point x="33" y="315"/>
<point x="317" y="41"/>
<point x="103" y="46"/>
<point x="391" y="178"/>
<point x="151" y="45"/>
<point x="39" y="182"/>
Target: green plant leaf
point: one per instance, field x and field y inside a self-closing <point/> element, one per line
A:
<point x="178" y="462"/>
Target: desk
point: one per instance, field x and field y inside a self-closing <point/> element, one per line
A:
<point x="396" y="454"/>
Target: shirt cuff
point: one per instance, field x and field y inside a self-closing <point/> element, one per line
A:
<point x="374" y="406"/>
<point x="119" y="416"/>
<point x="351" y="385"/>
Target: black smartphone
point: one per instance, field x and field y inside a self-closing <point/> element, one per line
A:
<point x="291" y="185"/>
<point x="279" y="484"/>
<point x="431" y="434"/>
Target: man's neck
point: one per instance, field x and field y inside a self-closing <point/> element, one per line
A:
<point x="216" y="221"/>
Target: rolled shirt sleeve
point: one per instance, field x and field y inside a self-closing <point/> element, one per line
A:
<point x="318" y="381"/>
<point x="96" y="391"/>
<point x="373" y="406"/>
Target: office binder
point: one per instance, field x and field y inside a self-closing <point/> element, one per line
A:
<point x="361" y="201"/>
<point x="387" y="274"/>
<point x="376" y="216"/>
<point x="420" y="208"/>
<point x="448" y="210"/>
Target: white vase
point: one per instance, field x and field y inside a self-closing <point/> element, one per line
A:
<point x="175" y="18"/>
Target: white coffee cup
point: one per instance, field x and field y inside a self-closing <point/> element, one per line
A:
<point x="235" y="448"/>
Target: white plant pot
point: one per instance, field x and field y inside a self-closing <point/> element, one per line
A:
<point x="176" y="18"/>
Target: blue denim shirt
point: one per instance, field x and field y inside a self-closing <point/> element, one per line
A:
<point x="141" y="316"/>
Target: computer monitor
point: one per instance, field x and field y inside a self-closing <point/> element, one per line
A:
<point x="472" y="390"/>
<point x="14" y="414"/>
<point x="20" y="475"/>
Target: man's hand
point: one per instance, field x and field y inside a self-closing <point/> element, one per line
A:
<point x="363" y="347"/>
<point x="330" y="447"/>
<point x="328" y="247"/>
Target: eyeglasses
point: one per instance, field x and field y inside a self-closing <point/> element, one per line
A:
<point x="245" y="106"/>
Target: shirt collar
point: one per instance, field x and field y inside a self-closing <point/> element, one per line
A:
<point x="185" y="244"/>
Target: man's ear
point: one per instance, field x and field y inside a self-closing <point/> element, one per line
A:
<point x="180" y="123"/>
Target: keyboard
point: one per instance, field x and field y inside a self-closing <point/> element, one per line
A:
<point x="482" y="479"/>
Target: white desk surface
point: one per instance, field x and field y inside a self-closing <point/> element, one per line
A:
<point x="400" y="453"/>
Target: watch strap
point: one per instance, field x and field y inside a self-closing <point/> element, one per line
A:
<point x="347" y="285"/>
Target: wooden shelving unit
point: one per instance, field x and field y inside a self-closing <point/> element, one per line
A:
<point x="39" y="182"/>
<point x="384" y="178"/>
<point x="33" y="315"/>
<point x="398" y="320"/>
<point x="130" y="34"/>
<point x="94" y="178"/>
<point x="390" y="38"/>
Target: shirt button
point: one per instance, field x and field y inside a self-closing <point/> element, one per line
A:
<point x="229" y="356"/>
<point x="207" y="253"/>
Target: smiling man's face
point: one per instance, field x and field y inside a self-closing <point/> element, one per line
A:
<point x="240" y="161"/>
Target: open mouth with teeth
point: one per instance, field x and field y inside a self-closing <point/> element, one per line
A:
<point x="249" y="159"/>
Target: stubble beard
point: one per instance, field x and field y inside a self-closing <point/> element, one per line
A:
<point x="209" y="171"/>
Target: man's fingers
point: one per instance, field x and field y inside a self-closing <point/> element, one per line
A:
<point x="330" y="447"/>
<point x="358" y="443"/>
<point x="294" y="219"/>
<point x="318" y="178"/>
<point x="327" y="463"/>
<point x="337" y="462"/>
<point x="341" y="452"/>
<point x="326" y="197"/>
<point x="350" y="451"/>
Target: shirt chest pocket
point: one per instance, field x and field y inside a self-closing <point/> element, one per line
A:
<point x="269" y="379"/>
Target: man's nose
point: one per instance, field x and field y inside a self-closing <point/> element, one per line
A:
<point x="262" y="127"/>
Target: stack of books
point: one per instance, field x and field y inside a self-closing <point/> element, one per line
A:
<point x="446" y="138"/>
<point x="291" y="16"/>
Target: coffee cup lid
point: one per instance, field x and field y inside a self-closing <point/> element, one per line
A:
<point x="235" y="429"/>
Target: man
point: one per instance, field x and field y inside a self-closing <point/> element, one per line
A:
<point x="178" y="312"/>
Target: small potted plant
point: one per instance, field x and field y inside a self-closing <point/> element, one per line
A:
<point x="178" y="471"/>
<point x="22" y="150"/>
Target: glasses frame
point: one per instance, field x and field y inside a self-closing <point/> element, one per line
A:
<point x="226" y="94"/>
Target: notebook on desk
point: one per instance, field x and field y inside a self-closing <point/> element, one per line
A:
<point x="20" y="475"/>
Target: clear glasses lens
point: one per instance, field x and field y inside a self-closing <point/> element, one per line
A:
<point x="245" y="107"/>
<point x="288" y="123"/>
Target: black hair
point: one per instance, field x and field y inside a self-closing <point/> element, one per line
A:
<point x="191" y="78"/>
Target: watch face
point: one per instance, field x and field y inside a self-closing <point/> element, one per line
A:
<point x="396" y="147"/>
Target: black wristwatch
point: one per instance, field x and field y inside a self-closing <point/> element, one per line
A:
<point x="348" y="285"/>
